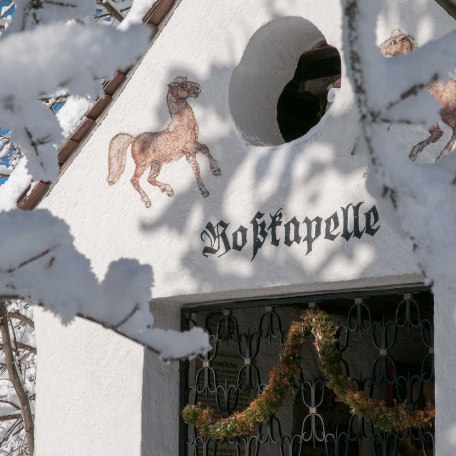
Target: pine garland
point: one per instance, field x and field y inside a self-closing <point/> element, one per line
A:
<point x="320" y="324"/>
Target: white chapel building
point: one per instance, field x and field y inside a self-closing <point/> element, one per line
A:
<point x="229" y="160"/>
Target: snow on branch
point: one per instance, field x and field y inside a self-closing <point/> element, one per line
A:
<point x="70" y="115"/>
<point x="433" y="61"/>
<point x="41" y="55"/>
<point x="14" y="186"/>
<point x="136" y="13"/>
<point x="47" y="58"/>
<point x="422" y="198"/>
<point x="47" y="270"/>
<point x="29" y="14"/>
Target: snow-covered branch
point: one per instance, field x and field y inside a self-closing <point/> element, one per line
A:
<point x="78" y="60"/>
<point x="43" y="54"/>
<point x="29" y="14"/>
<point x="421" y="197"/>
<point x="68" y="287"/>
<point x="22" y="318"/>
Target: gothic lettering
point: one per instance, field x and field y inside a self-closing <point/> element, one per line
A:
<point x="276" y="221"/>
<point x="292" y="227"/>
<point x="345" y="223"/>
<point x="311" y="233"/>
<point x="346" y="234"/>
<point x="356" y="231"/>
<point x="215" y="235"/>
<point x="240" y="238"/>
<point x="259" y="232"/>
<point x="372" y="218"/>
<point x="331" y="224"/>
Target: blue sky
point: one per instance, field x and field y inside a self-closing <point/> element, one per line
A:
<point x="6" y="3"/>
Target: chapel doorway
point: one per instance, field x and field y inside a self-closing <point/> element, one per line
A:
<point x="386" y="341"/>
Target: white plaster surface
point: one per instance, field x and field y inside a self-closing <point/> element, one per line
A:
<point x="90" y="382"/>
<point x="89" y="387"/>
<point x="445" y="368"/>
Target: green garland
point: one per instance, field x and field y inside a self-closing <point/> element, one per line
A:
<point x="320" y="324"/>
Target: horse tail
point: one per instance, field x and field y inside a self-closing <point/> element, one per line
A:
<point x="117" y="156"/>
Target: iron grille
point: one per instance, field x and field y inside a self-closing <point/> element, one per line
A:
<point x="386" y="341"/>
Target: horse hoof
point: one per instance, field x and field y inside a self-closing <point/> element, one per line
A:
<point x="217" y="171"/>
<point x="205" y="193"/>
<point x="168" y="190"/>
<point x="413" y="155"/>
<point x="148" y="203"/>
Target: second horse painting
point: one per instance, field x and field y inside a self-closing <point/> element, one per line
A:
<point x="401" y="44"/>
<point x="151" y="150"/>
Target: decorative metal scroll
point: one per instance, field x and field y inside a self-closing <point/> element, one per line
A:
<point x="386" y="342"/>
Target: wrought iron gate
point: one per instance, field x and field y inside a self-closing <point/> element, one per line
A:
<point x="386" y="341"/>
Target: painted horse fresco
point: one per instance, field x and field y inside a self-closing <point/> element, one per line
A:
<point x="400" y="44"/>
<point x="153" y="149"/>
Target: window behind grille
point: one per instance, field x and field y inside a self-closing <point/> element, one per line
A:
<point x="386" y="339"/>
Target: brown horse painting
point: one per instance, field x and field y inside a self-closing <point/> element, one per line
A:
<point x="399" y="44"/>
<point x="153" y="149"/>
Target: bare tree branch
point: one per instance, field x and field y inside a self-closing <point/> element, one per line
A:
<point x="388" y="120"/>
<point x="29" y="260"/>
<point x="112" y="11"/>
<point x="412" y="91"/>
<point x="26" y="347"/>
<point x="132" y="338"/>
<point x="4" y="401"/>
<point x="124" y="320"/>
<point x="16" y="348"/>
<point x="23" y="318"/>
<point x="16" y="379"/>
<point x="365" y="114"/>
<point x="14" y="429"/>
<point x="14" y="416"/>
<point x="115" y="328"/>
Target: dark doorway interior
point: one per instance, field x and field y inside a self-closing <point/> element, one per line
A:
<point x="303" y="101"/>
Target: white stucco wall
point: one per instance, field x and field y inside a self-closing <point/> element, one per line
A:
<point x="90" y="382"/>
<point x="90" y="391"/>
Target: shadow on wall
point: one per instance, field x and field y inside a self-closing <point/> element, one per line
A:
<point x="274" y="171"/>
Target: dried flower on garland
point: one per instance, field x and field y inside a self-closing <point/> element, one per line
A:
<point x="320" y="324"/>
